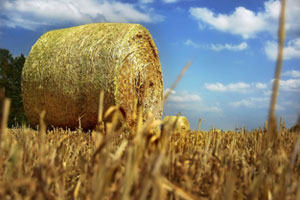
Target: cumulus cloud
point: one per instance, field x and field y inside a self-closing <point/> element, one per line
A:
<point x="219" y="87"/>
<point x="279" y="107"/>
<point x="182" y="96"/>
<point x="218" y="47"/>
<point x="247" y="23"/>
<point x="230" y="47"/>
<point x="215" y="109"/>
<point x="289" y="85"/>
<point x="185" y="98"/>
<point x="146" y="1"/>
<point x="192" y="44"/>
<point x="292" y="73"/>
<point x="267" y="92"/>
<point x="292" y="85"/>
<point x="240" y="87"/>
<point x="251" y="102"/>
<point x="189" y="103"/>
<point x="168" y="90"/>
<point x="271" y="50"/>
<point x="232" y="87"/>
<point x="170" y="1"/>
<point x="260" y="85"/>
<point x="191" y="107"/>
<point x="290" y="51"/>
<point x="31" y="14"/>
<point x="255" y="102"/>
<point x="242" y="22"/>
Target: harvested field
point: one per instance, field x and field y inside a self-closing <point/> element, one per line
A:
<point x="64" y="164"/>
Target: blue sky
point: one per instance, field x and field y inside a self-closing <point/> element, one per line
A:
<point x="232" y="45"/>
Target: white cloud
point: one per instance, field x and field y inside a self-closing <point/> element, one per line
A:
<point x="192" y="44"/>
<point x="216" y="109"/>
<point x="216" y="87"/>
<point x="237" y="87"/>
<point x="271" y="50"/>
<point x="171" y="91"/>
<point x="292" y="17"/>
<point x="292" y="73"/>
<point x="267" y="92"/>
<point x="290" y="51"/>
<point x="170" y="1"/>
<point x="218" y="47"/>
<point x="292" y="85"/>
<point x="232" y="87"/>
<point x="240" y="86"/>
<point x="255" y="102"/>
<point x="251" y="102"/>
<point x="279" y="107"/>
<point x="247" y="23"/>
<point x="292" y="103"/>
<point x="230" y="47"/>
<point x="146" y="1"/>
<point x="191" y="107"/>
<point x="242" y="21"/>
<point x="189" y="104"/>
<point x="31" y="14"/>
<point x="260" y="85"/>
<point x="183" y="97"/>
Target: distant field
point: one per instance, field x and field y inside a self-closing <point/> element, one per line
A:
<point x="62" y="164"/>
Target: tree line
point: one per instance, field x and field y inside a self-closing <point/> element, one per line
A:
<point x="10" y="86"/>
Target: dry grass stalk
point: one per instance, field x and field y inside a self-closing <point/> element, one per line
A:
<point x="186" y="67"/>
<point x="67" y="68"/>
<point x="281" y="36"/>
<point x="199" y="124"/>
<point x="4" y="117"/>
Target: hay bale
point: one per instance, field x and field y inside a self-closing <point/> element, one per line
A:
<point x="182" y="124"/>
<point x="67" y="68"/>
<point x="215" y="130"/>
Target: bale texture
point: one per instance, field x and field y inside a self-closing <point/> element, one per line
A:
<point x="182" y="124"/>
<point x="67" y="68"/>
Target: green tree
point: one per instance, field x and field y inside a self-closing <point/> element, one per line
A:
<point x="10" y="79"/>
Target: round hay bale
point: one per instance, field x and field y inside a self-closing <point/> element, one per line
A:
<point x="182" y="124"/>
<point x="66" y="69"/>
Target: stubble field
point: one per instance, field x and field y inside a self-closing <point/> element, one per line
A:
<point x="117" y="163"/>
